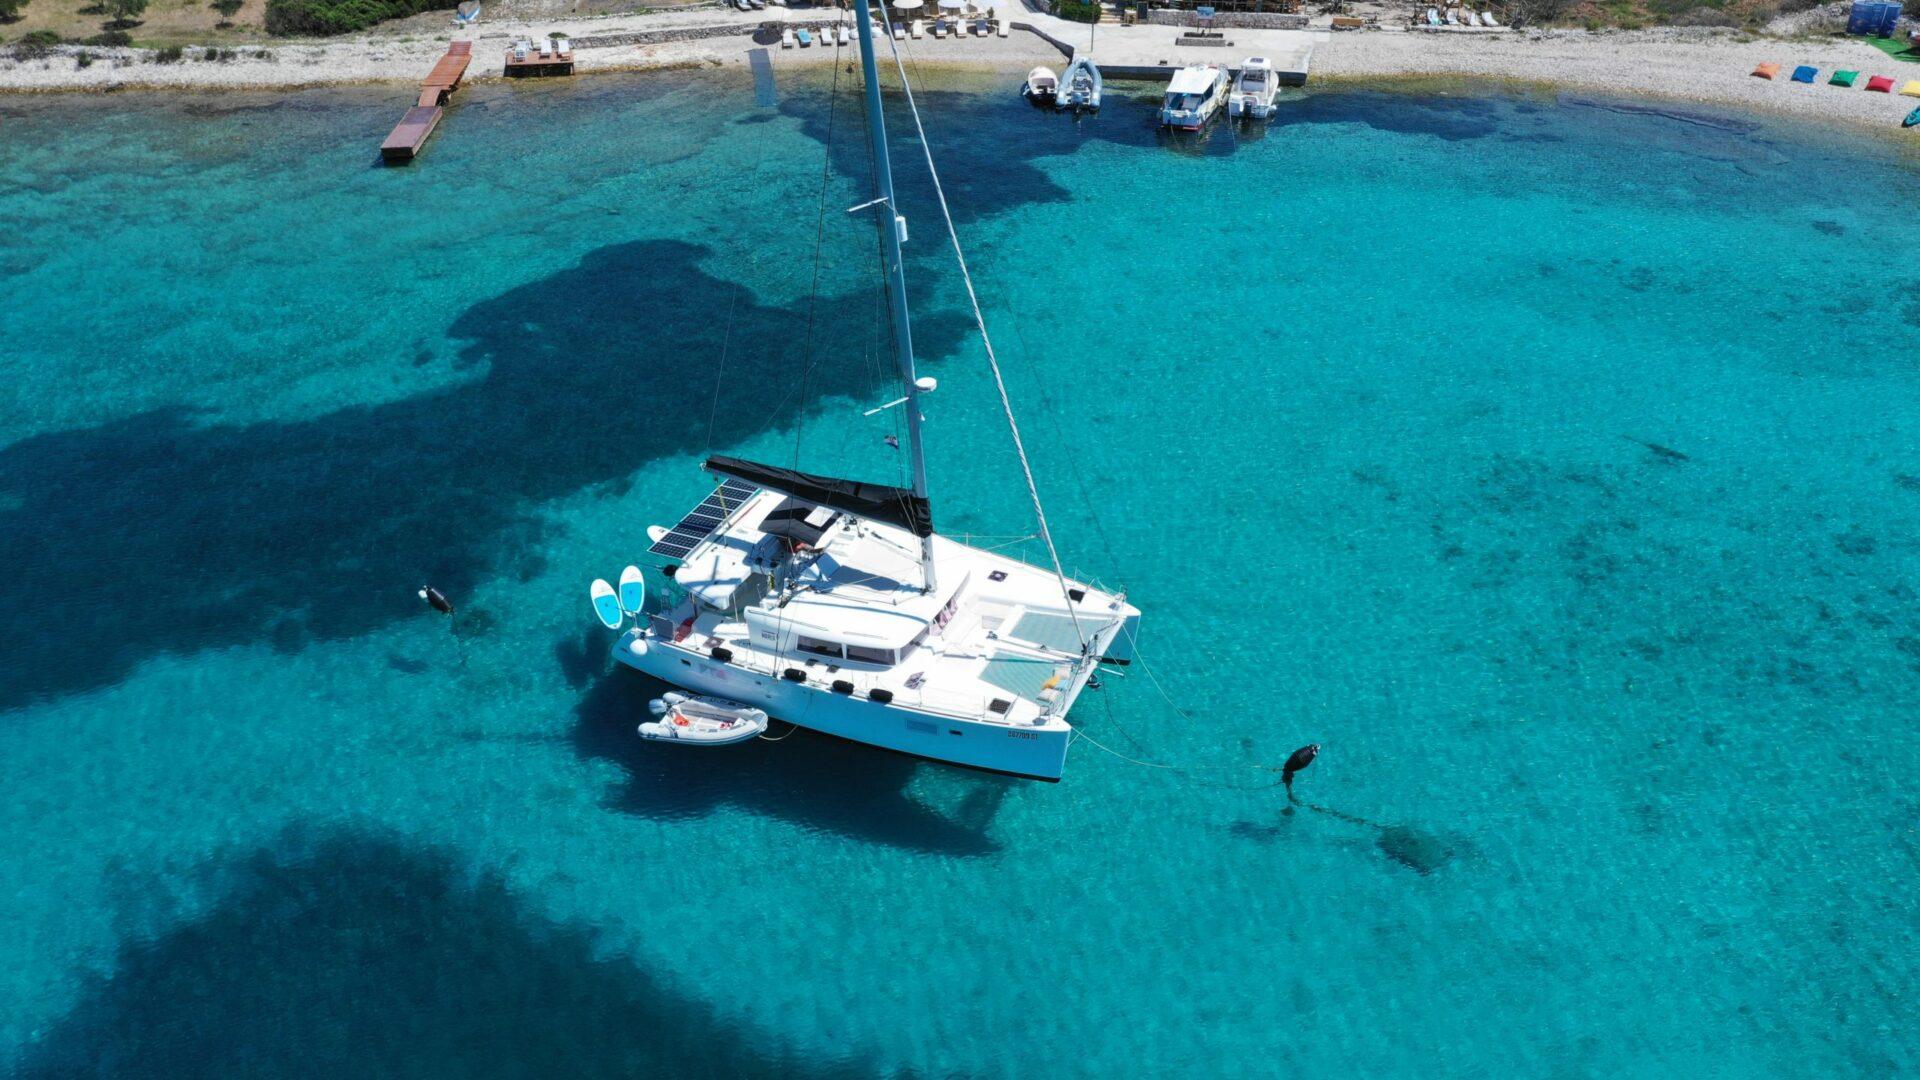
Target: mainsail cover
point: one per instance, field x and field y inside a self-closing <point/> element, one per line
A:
<point x="875" y="502"/>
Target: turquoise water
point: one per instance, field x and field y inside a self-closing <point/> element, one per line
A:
<point x="1550" y="461"/>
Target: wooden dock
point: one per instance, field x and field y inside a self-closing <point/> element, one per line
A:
<point x="537" y="63"/>
<point x="413" y="130"/>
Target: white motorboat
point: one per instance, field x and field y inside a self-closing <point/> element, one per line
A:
<point x="1042" y="85"/>
<point x="835" y="604"/>
<point x="1254" y="90"/>
<point x="702" y="721"/>
<point x="1079" y="86"/>
<point x="1193" y="96"/>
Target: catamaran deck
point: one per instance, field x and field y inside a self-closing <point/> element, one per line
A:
<point x="971" y="648"/>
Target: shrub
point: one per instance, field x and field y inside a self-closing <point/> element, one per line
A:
<point x="82" y="59"/>
<point x="169" y="55"/>
<point x="10" y="10"/>
<point x="1537" y="12"/>
<point x="1075" y="11"/>
<point x="124" y="12"/>
<point x="110" y="39"/>
<point x="340" y="16"/>
<point x="227" y="8"/>
<point x="40" y="39"/>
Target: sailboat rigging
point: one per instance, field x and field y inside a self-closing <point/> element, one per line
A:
<point x="836" y="605"/>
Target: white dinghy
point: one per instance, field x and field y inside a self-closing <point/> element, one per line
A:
<point x="1042" y="84"/>
<point x="702" y="721"/>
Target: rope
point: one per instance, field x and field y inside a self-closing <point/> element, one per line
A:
<point x="980" y="321"/>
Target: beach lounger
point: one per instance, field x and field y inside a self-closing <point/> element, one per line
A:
<point x="1487" y="19"/>
<point x="1766" y="71"/>
<point x="1843" y="78"/>
<point x="939" y="29"/>
<point x="913" y="31"/>
<point x="806" y="39"/>
<point x="562" y="46"/>
<point x="1000" y="26"/>
<point x="1912" y="89"/>
<point x="899" y="32"/>
<point x="786" y="38"/>
<point x="1805" y="73"/>
<point x="1880" y="84"/>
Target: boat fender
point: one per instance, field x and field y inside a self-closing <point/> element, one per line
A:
<point x="842" y="686"/>
<point x="880" y="696"/>
<point x="794" y="674"/>
<point x="436" y="599"/>
<point x="722" y="653"/>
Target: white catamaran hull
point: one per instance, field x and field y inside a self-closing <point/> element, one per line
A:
<point x="1034" y="753"/>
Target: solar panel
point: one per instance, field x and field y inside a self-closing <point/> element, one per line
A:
<point x="701" y="521"/>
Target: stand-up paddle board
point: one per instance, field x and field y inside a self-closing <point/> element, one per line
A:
<point x="606" y="605"/>
<point x="633" y="591"/>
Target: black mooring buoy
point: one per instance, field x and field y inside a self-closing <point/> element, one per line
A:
<point x="1296" y="761"/>
<point x="437" y="599"/>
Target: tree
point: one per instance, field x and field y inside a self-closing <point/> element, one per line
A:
<point x="124" y="12"/>
<point x="226" y="8"/>
<point x="10" y="10"/>
<point x="1535" y="12"/>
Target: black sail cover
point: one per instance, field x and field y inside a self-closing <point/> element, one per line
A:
<point x="875" y="502"/>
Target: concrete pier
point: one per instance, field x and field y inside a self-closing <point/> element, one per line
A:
<point x="1156" y="52"/>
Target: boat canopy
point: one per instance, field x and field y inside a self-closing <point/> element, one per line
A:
<point x="875" y="502"/>
<point x="1197" y="79"/>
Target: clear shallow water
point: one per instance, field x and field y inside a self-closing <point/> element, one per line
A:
<point x="1617" y="741"/>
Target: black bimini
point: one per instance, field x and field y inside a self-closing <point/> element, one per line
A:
<point x="875" y="502"/>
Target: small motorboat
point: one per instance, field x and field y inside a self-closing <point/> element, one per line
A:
<point x="1912" y="120"/>
<point x="1079" y="87"/>
<point x="1254" y="90"/>
<point x="1042" y="85"/>
<point x="702" y="721"/>
<point x="1195" y="93"/>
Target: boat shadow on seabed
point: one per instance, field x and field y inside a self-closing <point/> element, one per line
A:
<point x="806" y="778"/>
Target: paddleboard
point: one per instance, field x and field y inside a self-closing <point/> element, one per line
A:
<point x="633" y="590"/>
<point x="606" y="605"/>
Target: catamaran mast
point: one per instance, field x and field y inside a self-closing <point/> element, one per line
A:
<point x="893" y="231"/>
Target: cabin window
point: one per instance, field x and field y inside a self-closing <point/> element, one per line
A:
<point x="863" y="655"/>
<point x="817" y="647"/>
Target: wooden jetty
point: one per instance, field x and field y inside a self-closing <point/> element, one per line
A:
<point x="411" y="133"/>
<point x="534" y="59"/>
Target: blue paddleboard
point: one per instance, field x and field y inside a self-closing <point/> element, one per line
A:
<point x="606" y="605"/>
<point x="633" y="590"/>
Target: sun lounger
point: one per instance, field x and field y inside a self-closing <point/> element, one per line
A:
<point x="939" y="29"/>
<point x="913" y="31"/>
<point x="1000" y="26"/>
<point x="562" y="45"/>
<point x="1843" y="78"/>
<point x="1348" y="22"/>
<point x="1912" y="89"/>
<point x="899" y="32"/>
<point x="1766" y="71"/>
<point x="806" y="39"/>
<point x="1880" y="84"/>
<point x="1486" y="19"/>
<point x="1805" y="73"/>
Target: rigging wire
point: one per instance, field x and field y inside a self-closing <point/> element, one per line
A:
<point x="980" y="321"/>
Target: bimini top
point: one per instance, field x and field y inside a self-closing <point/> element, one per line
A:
<point x="875" y="502"/>
<point x="1194" y="79"/>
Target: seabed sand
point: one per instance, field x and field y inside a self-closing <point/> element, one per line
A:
<point x="1702" y="66"/>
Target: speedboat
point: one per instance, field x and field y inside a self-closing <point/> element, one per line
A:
<point x="1254" y="90"/>
<point x="1193" y="96"/>
<point x="702" y="721"/>
<point x="1079" y="87"/>
<point x="1042" y="85"/>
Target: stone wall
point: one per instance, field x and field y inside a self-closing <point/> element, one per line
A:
<point x="661" y="37"/>
<point x="1230" y="20"/>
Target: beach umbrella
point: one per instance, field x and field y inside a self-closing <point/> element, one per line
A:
<point x="952" y="5"/>
<point x="907" y="5"/>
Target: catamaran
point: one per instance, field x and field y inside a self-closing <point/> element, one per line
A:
<point x="835" y="605"/>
